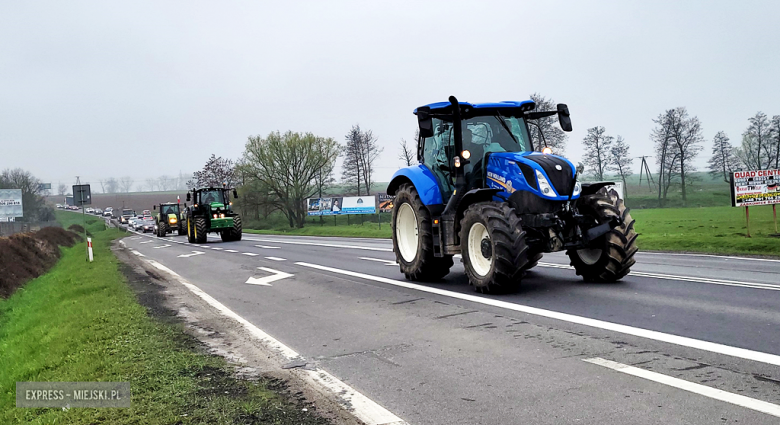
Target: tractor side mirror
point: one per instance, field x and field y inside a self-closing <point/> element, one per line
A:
<point x="425" y="121"/>
<point x="189" y="198"/>
<point x="563" y="117"/>
<point x="154" y="207"/>
<point x="235" y="194"/>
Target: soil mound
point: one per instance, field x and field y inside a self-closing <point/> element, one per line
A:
<point x="25" y="256"/>
<point x="76" y="228"/>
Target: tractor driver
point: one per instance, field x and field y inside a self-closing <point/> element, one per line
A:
<point x="209" y="198"/>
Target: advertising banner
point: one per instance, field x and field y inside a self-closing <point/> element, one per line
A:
<point x="757" y="187"/>
<point x="11" y="203"/>
<point x="386" y="203"/>
<point x="341" y="205"/>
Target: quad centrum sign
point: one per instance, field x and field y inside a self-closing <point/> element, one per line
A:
<point x="760" y="187"/>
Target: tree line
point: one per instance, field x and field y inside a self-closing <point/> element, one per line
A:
<point x="33" y="202"/>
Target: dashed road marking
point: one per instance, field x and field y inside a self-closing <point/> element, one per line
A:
<point x="251" y="254"/>
<point x="275" y="259"/>
<point x="267" y="247"/>
<point x="379" y="260"/>
<point x="230" y="250"/>
<point x="739" y="400"/>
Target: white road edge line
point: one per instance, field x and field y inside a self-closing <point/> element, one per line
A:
<point x="723" y="282"/>
<point x="710" y="255"/>
<point x="267" y="247"/>
<point x="358" y="404"/>
<point x="739" y="400"/>
<point x="713" y="347"/>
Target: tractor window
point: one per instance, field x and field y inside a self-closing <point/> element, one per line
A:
<point x="209" y="196"/>
<point x="437" y="154"/>
<point x="488" y="134"/>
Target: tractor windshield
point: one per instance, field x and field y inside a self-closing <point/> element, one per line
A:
<point x="169" y="209"/>
<point x="210" y="196"/>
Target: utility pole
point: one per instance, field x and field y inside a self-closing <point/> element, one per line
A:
<point x="645" y="169"/>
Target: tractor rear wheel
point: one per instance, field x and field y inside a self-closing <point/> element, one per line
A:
<point x="162" y="229"/>
<point x="493" y="247"/>
<point x="190" y="231"/>
<point x="238" y="227"/>
<point x="413" y="238"/>
<point x="199" y="226"/>
<point x="611" y="256"/>
<point x="181" y="229"/>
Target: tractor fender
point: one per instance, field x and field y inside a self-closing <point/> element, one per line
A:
<point x="423" y="180"/>
<point x="591" y="188"/>
<point x="472" y="197"/>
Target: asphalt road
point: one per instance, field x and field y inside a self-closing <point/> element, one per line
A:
<point x="702" y="333"/>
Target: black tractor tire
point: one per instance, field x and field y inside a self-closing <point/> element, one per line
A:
<point x="613" y="254"/>
<point x="423" y="266"/>
<point x="182" y="229"/>
<point x="162" y="229"/>
<point x="238" y="227"/>
<point x="502" y="255"/>
<point x="201" y="234"/>
<point x="533" y="260"/>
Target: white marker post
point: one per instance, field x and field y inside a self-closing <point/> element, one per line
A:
<point x="89" y="248"/>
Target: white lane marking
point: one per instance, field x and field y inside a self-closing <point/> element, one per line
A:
<point x="137" y="253"/>
<point x="251" y="254"/>
<point x="267" y="247"/>
<point x="194" y="253"/>
<point x="723" y="282"/>
<point x="162" y="246"/>
<point x="362" y="407"/>
<point x="266" y="281"/>
<point x="275" y="259"/>
<point x="379" y="260"/>
<point x="216" y="248"/>
<point x="595" y="323"/>
<point x="134" y="238"/>
<point x="146" y="242"/>
<point x="328" y="245"/>
<point x="710" y="255"/>
<point x="230" y="250"/>
<point x="739" y="400"/>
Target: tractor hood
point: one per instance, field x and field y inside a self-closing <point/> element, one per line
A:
<point x="215" y="205"/>
<point x="548" y="176"/>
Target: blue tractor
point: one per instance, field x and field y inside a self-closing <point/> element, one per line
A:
<point x="480" y="190"/>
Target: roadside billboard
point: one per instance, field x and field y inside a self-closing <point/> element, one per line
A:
<point x="386" y="203"/>
<point x="759" y="187"/>
<point x="11" y="203"/>
<point x="341" y="205"/>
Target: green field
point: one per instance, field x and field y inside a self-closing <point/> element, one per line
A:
<point x="718" y="230"/>
<point x="81" y="322"/>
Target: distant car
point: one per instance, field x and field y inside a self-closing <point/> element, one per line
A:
<point x="108" y="212"/>
<point x="88" y="210"/>
<point x="147" y="213"/>
<point x="147" y="224"/>
<point x="97" y="211"/>
<point x="127" y="214"/>
<point x="132" y="222"/>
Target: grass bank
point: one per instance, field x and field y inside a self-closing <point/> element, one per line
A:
<point x="716" y="230"/>
<point x="81" y="322"/>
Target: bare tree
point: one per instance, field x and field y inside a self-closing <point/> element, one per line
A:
<point x="62" y="189"/>
<point x="287" y="165"/>
<point x="112" y="186"/>
<point x="360" y="153"/>
<point x="621" y="161"/>
<point x="553" y="135"/>
<point x="151" y="184"/>
<point x="598" y="154"/>
<point x="678" y="140"/>
<point x="756" y="152"/>
<point x="407" y="155"/>
<point x="216" y="172"/>
<point x="723" y="161"/>
<point x="775" y="138"/>
<point x="34" y="206"/>
<point x="125" y="184"/>
<point x="166" y="183"/>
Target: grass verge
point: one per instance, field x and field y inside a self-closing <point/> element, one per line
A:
<point x="81" y="322"/>
<point x="715" y="230"/>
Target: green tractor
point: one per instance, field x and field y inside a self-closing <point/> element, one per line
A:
<point x="169" y="219"/>
<point x="212" y="211"/>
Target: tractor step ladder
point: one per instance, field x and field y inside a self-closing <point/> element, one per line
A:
<point x="437" y="240"/>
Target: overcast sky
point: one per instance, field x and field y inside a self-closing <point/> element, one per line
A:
<point x="101" y="89"/>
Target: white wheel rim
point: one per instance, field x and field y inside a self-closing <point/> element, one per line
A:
<point x="406" y="232"/>
<point x="479" y="263"/>
<point x="589" y="256"/>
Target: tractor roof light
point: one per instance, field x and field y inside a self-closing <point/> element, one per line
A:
<point x="466" y="154"/>
<point x="547" y="150"/>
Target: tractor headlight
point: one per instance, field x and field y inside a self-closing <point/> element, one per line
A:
<point x="577" y="188"/>
<point x="544" y="185"/>
<point x="172" y="220"/>
<point x="222" y="216"/>
<point x="215" y="216"/>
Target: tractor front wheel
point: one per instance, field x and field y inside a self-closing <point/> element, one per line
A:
<point x="201" y="234"/>
<point x="413" y="238"/>
<point x="182" y="230"/>
<point x="162" y="229"/>
<point x="611" y="256"/>
<point x="493" y="247"/>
